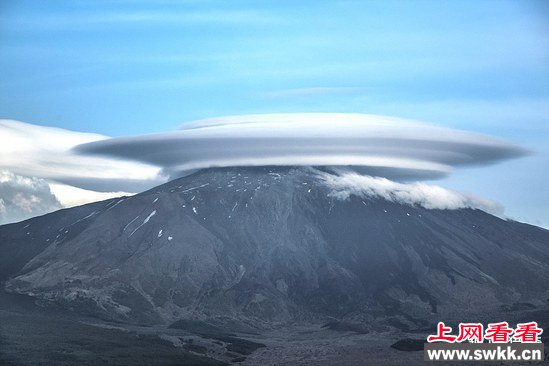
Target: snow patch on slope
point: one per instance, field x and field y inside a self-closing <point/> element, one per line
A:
<point x="144" y="221"/>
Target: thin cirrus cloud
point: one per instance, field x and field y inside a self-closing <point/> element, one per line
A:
<point x="392" y="148"/>
<point x="310" y="92"/>
<point x="180" y="18"/>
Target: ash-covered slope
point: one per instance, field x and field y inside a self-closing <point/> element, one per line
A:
<point x="269" y="245"/>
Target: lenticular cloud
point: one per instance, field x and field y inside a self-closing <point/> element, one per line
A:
<point x="46" y="152"/>
<point x="387" y="147"/>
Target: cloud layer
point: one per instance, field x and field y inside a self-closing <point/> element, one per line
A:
<point x="45" y="168"/>
<point x="345" y="184"/>
<point x="46" y="152"/>
<point x="375" y="145"/>
<point x="39" y="173"/>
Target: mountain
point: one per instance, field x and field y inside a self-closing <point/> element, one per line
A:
<point x="263" y="247"/>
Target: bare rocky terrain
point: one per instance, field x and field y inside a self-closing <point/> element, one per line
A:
<point x="257" y="266"/>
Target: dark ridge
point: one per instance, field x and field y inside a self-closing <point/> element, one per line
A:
<point x="409" y="345"/>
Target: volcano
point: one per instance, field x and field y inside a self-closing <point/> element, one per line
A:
<point x="265" y="248"/>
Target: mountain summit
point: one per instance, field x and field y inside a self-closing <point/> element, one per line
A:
<point x="267" y="246"/>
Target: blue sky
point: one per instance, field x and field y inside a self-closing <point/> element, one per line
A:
<point x="131" y="67"/>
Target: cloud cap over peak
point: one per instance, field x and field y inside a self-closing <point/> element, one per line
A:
<point x="390" y="147"/>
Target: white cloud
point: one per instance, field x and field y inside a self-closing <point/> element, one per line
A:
<point x="2" y="207"/>
<point x="46" y="152"/>
<point x="72" y="168"/>
<point x="71" y="196"/>
<point x="23" y="197"/>
<point x="430" y="196"/>
<point x="375" y="145"/>
<point x="40" y="173"/>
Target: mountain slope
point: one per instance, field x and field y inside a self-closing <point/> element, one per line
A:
<point x="271" y="245"/>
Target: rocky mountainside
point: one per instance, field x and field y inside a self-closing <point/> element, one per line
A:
<point x="267" y="246"/>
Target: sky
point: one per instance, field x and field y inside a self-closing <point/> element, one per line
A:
<point x="124" y="68"/>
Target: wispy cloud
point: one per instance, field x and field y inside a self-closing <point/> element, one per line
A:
<point x="512" y="113"/>
<point x="345" y="183"/>
<point x="70" y="196"/>
<point x="310" y="92"/>
<point x="179" y="17"/>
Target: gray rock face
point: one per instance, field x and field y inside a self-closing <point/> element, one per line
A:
<point x="268" y="246"/>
